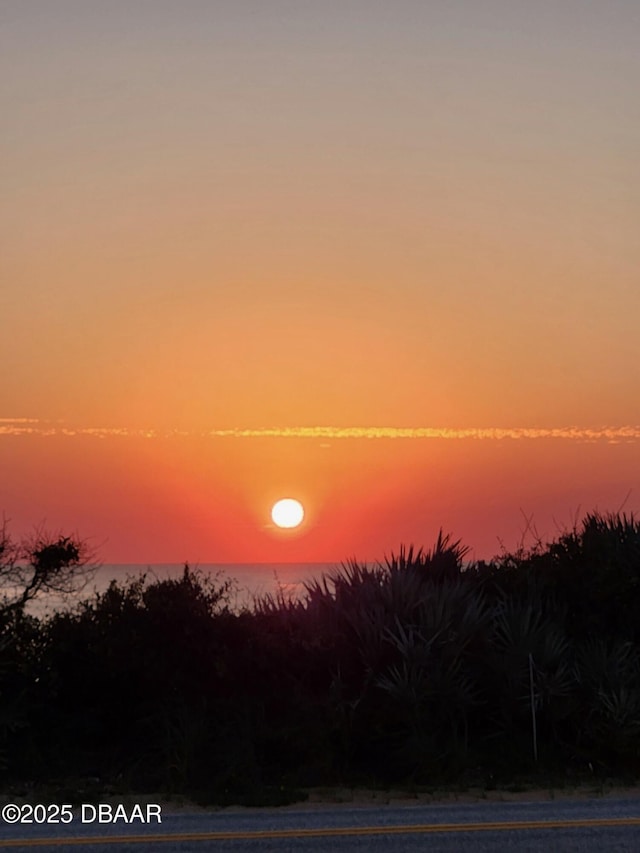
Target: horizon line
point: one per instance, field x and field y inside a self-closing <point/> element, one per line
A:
<point x="611" y="434"/>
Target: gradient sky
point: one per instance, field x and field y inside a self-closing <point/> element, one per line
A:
<point x="295" y="214"/>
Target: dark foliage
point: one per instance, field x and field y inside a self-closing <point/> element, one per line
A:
<point x="420" y="668"/>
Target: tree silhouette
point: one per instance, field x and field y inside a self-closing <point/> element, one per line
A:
<point x="40" y="564"/>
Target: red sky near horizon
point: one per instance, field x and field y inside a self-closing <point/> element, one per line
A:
<point x="221" y="219"/>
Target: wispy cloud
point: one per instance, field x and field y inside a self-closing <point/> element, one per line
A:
<point x="611" y="434"/>
<point x="626" y="433"/>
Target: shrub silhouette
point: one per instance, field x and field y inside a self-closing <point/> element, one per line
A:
<point x="417" y="668"/>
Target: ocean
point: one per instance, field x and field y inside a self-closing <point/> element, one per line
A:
<point x="251" y="580"/>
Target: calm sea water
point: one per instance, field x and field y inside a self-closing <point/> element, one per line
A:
<point x="251" y="579"/>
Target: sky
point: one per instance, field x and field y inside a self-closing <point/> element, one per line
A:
<point x="379" y="256"/>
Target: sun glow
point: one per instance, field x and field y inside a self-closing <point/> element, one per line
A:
<point x="287" y="513"/>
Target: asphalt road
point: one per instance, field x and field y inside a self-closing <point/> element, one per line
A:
<point x="565" y="825"/>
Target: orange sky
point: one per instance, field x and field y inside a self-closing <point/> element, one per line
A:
<point x="360" y="214"/>
<point x="164" y="499"/>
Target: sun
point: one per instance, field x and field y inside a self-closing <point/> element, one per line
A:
<point x="287" y="512"/>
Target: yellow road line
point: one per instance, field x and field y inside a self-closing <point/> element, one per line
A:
<point x="429" y="828"/>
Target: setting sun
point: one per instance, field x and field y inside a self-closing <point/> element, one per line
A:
<point x="287" y="512"/>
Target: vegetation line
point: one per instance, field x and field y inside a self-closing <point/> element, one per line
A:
<point x="423" y="670"/>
